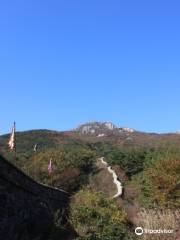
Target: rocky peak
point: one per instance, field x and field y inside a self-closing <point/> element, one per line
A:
<point x="96" y="128"/>
<point x="102" y="129"/>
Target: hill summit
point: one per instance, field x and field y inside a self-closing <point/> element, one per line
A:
<point x="96" y="127"/>
<point x="100" y="128"/>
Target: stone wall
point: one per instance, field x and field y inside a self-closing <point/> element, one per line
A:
<point x="26" y="207"/>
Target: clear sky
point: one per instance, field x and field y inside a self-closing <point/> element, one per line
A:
<point x="66" y="62"/>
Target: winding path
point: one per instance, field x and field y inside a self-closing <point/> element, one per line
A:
<point x="115" y="178"/>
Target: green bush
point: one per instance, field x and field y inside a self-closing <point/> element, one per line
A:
<point x="132" y="160"/>
<point x="75" y="159"/>
<point x="95" y="217"/>
<point x="159" y="182"/>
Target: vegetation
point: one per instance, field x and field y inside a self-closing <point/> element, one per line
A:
<point x="159" y="219"/>
<point x="131" y="159"/>
<point x="72" y="160"/>
<point x="76" y="162"/>
<point x="95" y="217"/>
<point x="25" y="142"/>
<point x="159" y="182"/>
<point x="153" y="171"/>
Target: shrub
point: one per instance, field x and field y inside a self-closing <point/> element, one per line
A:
<point x="132" y="160"/>
<point x="95" y="217"/>
<point x="159" y="183"/>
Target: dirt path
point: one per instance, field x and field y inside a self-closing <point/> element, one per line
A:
<point x="102" y="180"/>
<point x="105" y="180"/>
<point x="115" y="178"/>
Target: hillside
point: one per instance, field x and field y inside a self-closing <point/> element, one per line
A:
<point x="121" y="136"/>
<point x="95" y="132"/>
<point x="147" y="164"/>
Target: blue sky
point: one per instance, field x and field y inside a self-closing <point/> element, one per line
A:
<point x="67" y="62"/>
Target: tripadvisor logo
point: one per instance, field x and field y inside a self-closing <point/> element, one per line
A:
<point x="139" y="231"/>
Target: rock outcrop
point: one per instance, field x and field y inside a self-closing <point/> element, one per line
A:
<point x="96" y="128"/>
<point x="100" y="129"/>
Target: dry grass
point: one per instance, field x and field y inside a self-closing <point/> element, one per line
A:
<point x="159" y="219"/>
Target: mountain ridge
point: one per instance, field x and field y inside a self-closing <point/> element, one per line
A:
<point x="92" y="127"/>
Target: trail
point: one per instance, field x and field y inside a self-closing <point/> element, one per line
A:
<point x="115" y="178"/>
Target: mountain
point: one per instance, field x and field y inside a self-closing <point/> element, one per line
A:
<point x="92" y="132"/>
<point x="147" y="164"/>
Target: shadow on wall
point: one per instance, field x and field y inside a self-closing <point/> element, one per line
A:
<point x="27" y="208"/>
